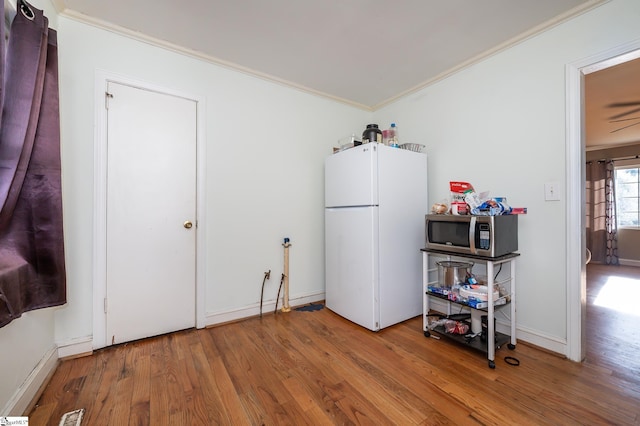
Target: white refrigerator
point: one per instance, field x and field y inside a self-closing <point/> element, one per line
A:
<point x="375" y="204"/>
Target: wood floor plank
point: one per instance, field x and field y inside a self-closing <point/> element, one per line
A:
<point x="87" y="399"/>
<point x="219" y="399"/>
<point x="376" y="393"/>
<point x="204" y="401"/>
<point x="43" y="413"/>
<point x="100" y="413"/>
<point x="237" y="361"/>
<point x="56" y="383"/>
<point x="404" y="383"/>
<point x="121" y="411"/>
<point x="158" y="397"/>
<point x="401" y="404"/>
<point x="140" y="407"/>
<point x="316" y="368"/>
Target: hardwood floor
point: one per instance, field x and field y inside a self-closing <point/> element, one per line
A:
<point x="613" y="339"/>
<point x="317" y="368"/>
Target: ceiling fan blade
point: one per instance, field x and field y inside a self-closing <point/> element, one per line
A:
<point x="624" y="119"/>
<point x="633" y="111"/>
<point x="625" y="127"/>
<point x="623" y="104"/>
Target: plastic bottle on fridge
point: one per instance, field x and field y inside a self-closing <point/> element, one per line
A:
<point x="393" y="135"/>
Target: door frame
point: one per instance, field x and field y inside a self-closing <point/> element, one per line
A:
<point x="102" y="79"/>
<point x="575" y="181"/>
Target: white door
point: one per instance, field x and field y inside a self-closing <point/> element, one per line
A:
<point x="151" y="202"/>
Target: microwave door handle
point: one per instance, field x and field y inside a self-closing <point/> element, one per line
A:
<point x="472" y="235"/>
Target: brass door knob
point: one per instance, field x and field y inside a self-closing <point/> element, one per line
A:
<point x="187" y="224"/>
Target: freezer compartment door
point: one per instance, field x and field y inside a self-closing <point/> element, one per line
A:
<point x="351" y="177"/>
<point x="351" y="253"/>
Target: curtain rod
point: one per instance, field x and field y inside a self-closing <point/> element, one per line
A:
<point x="602" y="160"/>
<point x="635" y="157"/>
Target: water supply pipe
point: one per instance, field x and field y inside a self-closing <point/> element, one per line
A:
<point x="285" y="275"/>
<point x="267" y="275"/>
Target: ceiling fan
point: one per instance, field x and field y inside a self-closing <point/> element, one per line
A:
<point x="618" y="117"/>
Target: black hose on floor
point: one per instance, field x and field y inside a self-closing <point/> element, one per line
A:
<point x="277" y="298"/>
<point x="266" y="277"/>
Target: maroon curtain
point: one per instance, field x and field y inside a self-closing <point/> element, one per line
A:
<point x="32" y="269"/>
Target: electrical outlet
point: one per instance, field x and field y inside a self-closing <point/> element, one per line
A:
<point x="552" y="191"/>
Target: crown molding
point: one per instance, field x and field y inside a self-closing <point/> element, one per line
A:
<point x="538" y="29"/>
<point x="58" y="5"/>
<point x="71" y="14"/>
<point x="135" y="35"/>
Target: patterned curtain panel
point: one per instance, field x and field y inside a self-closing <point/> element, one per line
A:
<point x="611" y="255"/>
<point x="32" y="268"/>
<point x="601" y="232"/>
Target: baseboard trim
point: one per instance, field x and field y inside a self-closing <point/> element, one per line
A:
<point x="629" y="262"/>
<point x="550" y="343"/>
<point x="533" y="337"/>
<point x="217" y="318"/>
<point x="28" y="393"/>
<point x="74" y="348"/>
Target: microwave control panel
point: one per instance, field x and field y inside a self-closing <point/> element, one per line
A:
<point x="484" y="231"/>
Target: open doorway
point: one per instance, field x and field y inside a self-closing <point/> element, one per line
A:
<point x="612" y="140"/>
<point x="577" y="270"/>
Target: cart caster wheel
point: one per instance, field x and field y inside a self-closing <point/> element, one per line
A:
<point x="492" y="364"/>
<point x="511" y="346"/>
<point x="427" y="334"/>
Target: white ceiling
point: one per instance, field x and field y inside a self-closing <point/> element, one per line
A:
<point x="612" y="105"/>
<point x="366" y="53"/>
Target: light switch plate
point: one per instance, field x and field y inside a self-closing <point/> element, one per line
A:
<point x="552" y="191"/>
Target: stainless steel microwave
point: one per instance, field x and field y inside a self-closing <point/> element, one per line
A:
<point x="490" y="236"/>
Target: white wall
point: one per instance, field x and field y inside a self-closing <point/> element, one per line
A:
<point x="501" y="126"/>
<point x="27" y="348"/>
<point x="265" y="146"/>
